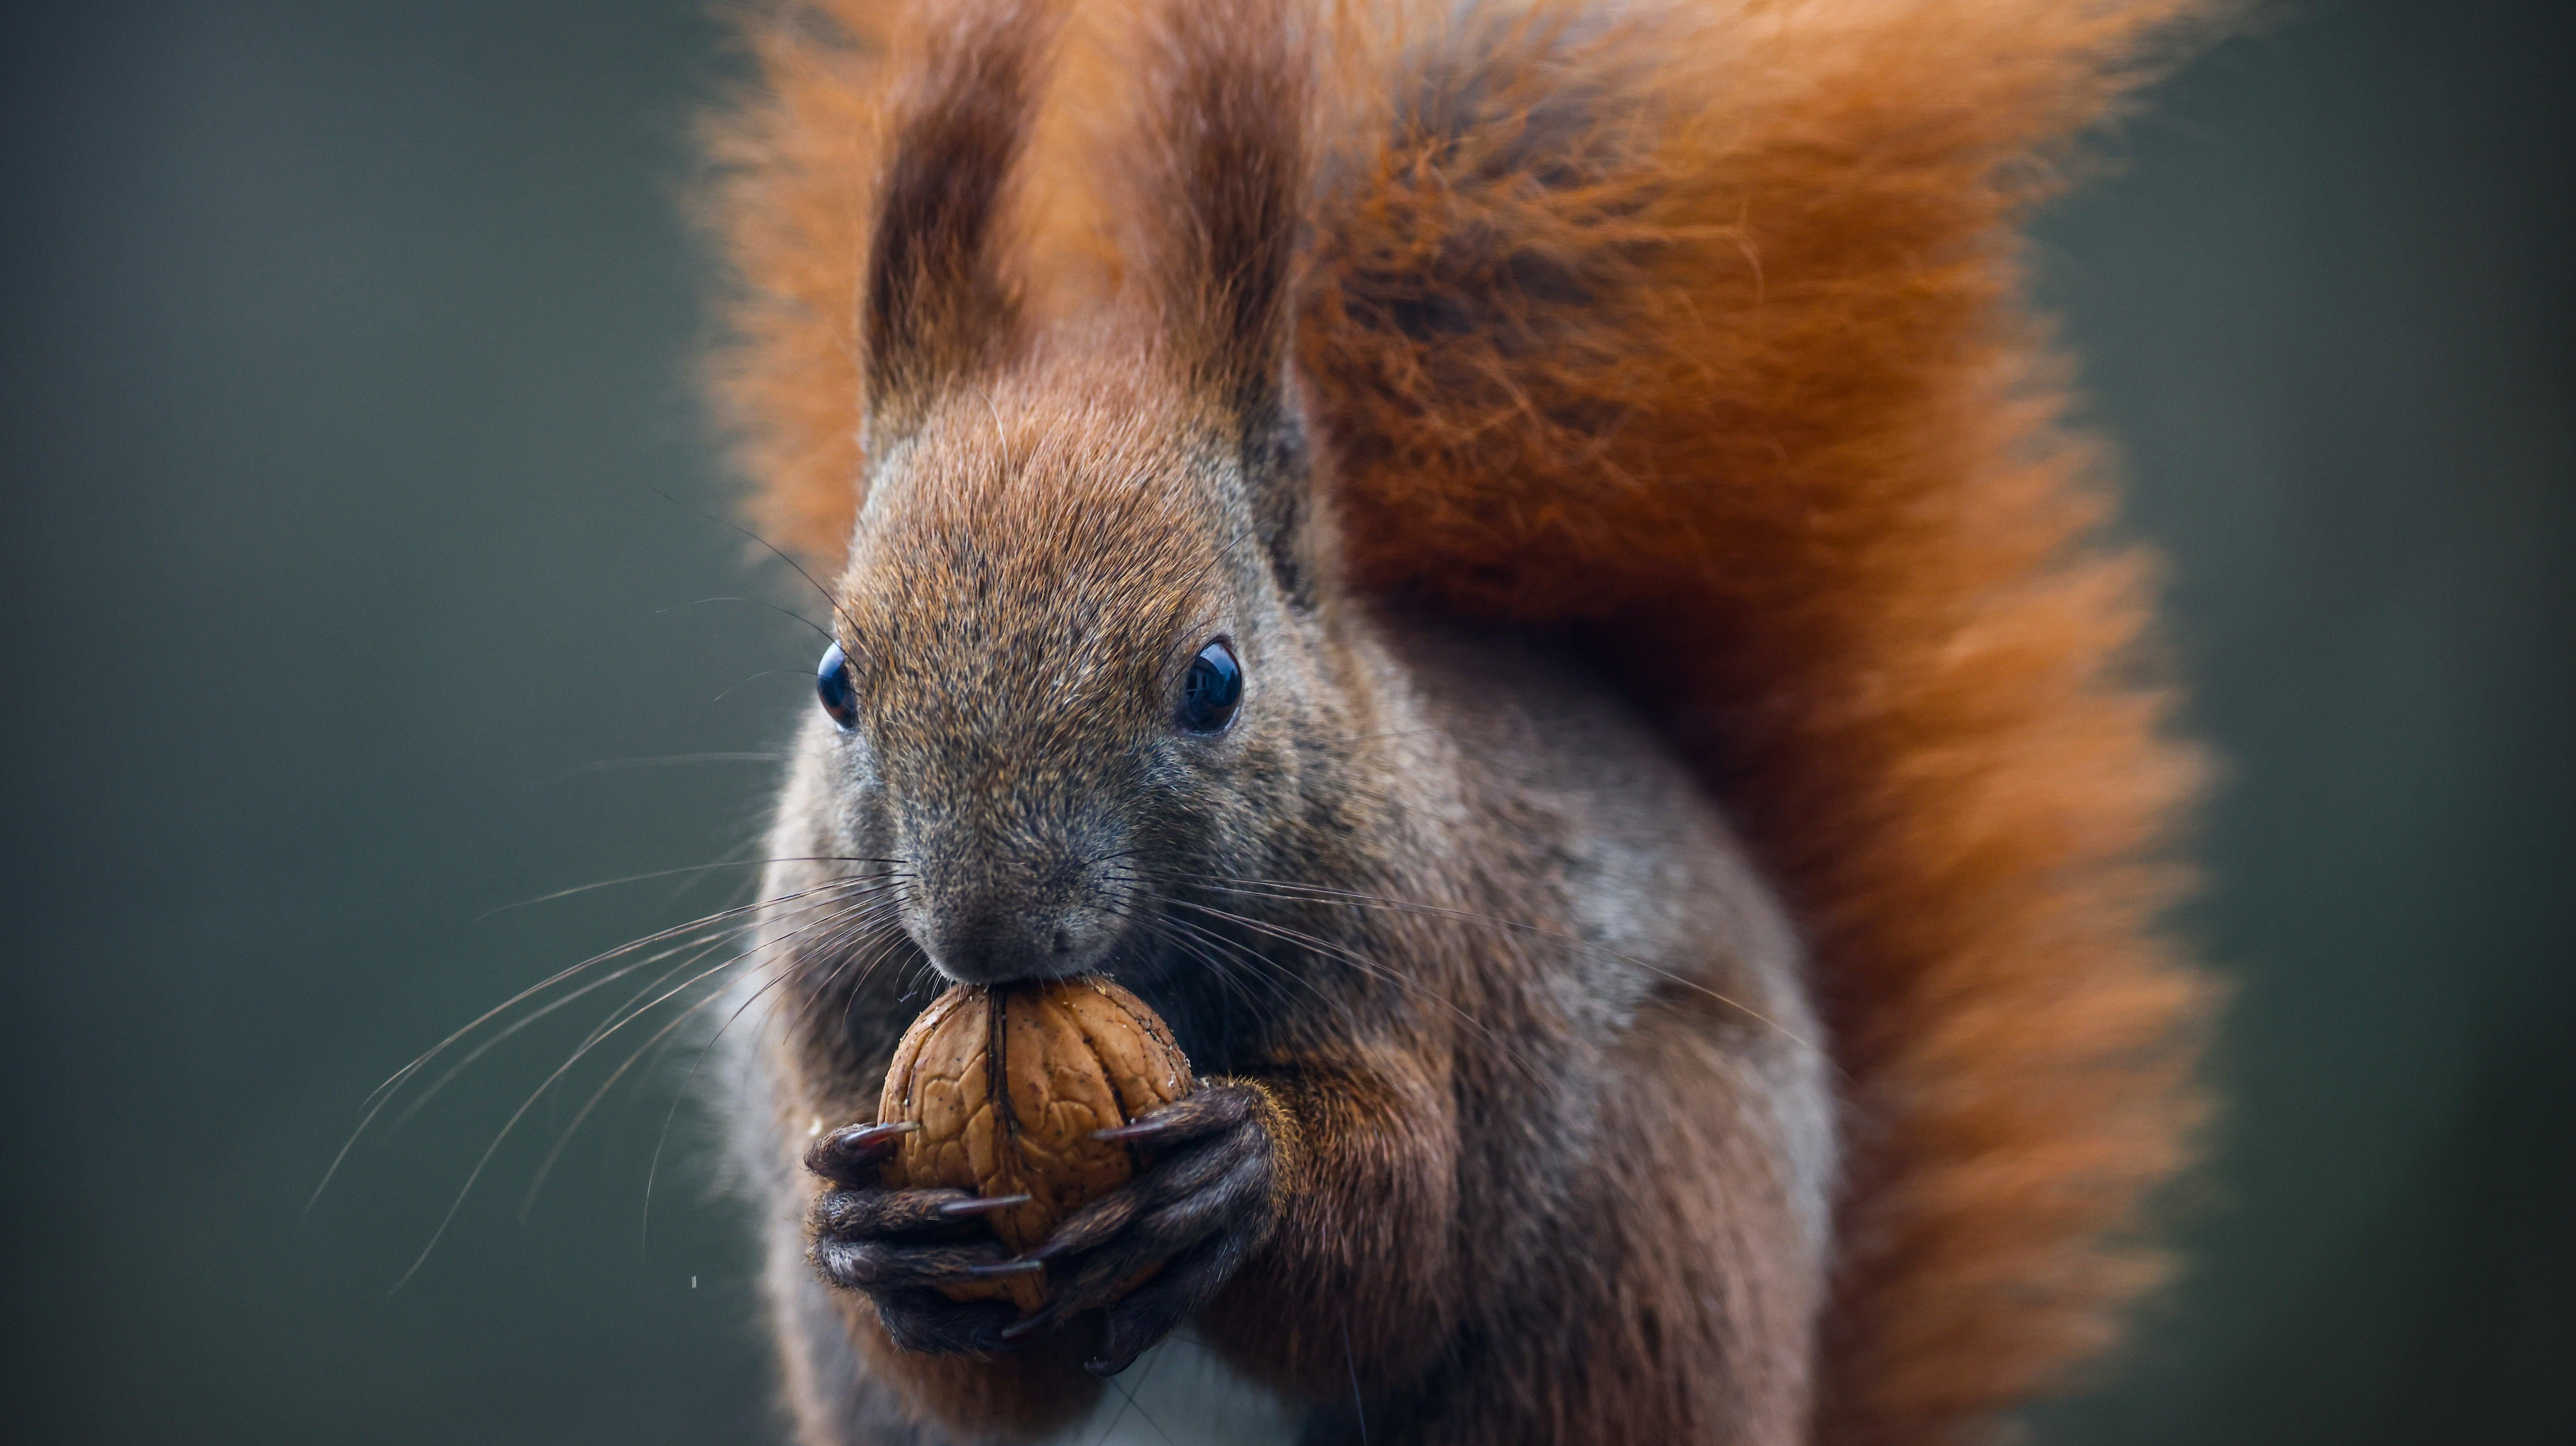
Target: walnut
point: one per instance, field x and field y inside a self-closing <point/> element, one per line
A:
<point x="1078" y="1055"/>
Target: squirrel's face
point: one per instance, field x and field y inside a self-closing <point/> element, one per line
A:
<point x="1068" y="680"/>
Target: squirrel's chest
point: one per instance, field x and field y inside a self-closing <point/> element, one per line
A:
<point x="1180" y="1394"/>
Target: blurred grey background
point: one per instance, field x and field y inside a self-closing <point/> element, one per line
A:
<point x="347" y="345"/>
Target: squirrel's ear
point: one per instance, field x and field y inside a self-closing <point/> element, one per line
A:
<point x="1224" y="197"/>
<point x="939" y="309"/>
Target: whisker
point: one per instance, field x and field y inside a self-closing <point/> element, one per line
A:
<point x="876" y="945"/>
<point x="704" y="944"/>
<point x="754" y="678"/>
<point x="383" y="1094"/>
<point x="893" y="942"/>
<point x="1320" y="894"/>
<point x="611" y="1024"/>
<point x="546" y="1168"/>
<point x="773" y="607"/>
<point x="1226" y="971"/>
<point x="1246" y="978"/>
<point x="484" y="1161"/>
<point x="841" y="901"/>
<point x="1376" y="970"/>
<point x="881" y="909"/>
<point x="1139" y="1408"/>
<point x="615" y="1022"/>
<point x="1359" y="1407"/>
<point x="668" y="760"/>
<point x="675" y="873"/>
<point x="798" y="568"/>
<point x="924" y="973"/>
<point x="1157" y="928"/>
<point x="1248" y="962"/>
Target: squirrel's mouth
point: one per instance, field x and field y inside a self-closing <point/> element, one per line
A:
<point x="995" y="947"/>
<point x="972" y="972"/>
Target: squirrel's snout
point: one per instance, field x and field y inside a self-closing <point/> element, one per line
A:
<point x="1022" y="893"/>
<point x="992" y="927"/>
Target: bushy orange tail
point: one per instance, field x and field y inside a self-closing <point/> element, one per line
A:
<point x="1700" y="331"/>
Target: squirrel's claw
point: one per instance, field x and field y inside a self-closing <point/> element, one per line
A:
<point x="865" y="1214"/>
<point x="1198" y="1114"/>
<point x="883" y="1265"/>
<point x="895" y="1245"/>
<point x="850" y="1155"/>
<point x="967" y="1209"/>
<point x="1196" y="1212"/>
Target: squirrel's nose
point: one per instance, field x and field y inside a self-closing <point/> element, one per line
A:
<point x="996" y="900"/>
<point x="994" y="940"/>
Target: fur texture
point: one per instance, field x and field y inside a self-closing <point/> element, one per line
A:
<point x="1694" y="330"/>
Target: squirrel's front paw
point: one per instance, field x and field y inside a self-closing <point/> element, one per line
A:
<point x="1200" y="1207"/>
<point x="898" y="1246"/>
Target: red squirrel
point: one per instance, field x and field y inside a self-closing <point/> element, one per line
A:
<point x="1515" y="569"/>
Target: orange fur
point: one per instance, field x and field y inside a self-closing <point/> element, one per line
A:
<point x="1748" y="392"/>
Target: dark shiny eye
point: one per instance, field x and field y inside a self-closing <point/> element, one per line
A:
<point x="1213" y="688"/>
<point x="839" y="693"/>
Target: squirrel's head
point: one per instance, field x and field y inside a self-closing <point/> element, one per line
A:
<point x="1083" y="653"/>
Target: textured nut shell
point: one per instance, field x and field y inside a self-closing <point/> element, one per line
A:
<point x="1077" y="1055"/>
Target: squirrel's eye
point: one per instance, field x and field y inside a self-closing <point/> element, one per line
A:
<point x="1213" y="688"/>
<point x="839" y="693"/>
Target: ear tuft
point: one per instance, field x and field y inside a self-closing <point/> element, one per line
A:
<point x="939" y="308"/>
<point x="1223" y="194"/>
<point x="1225" y="180"/>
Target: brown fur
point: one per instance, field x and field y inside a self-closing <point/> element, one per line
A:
<point x="937" y="303"/>
<point x="1702" y="335"/>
